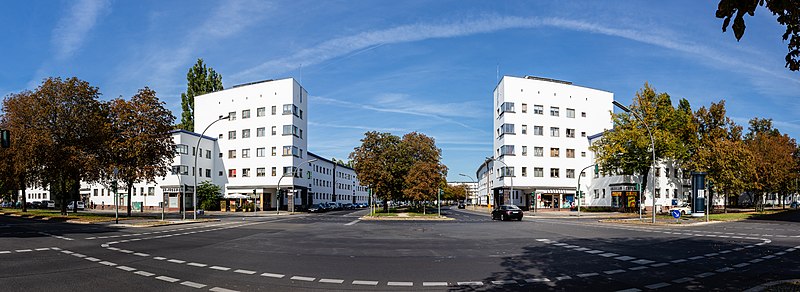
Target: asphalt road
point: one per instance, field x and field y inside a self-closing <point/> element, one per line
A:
<point x="337" y="251"/>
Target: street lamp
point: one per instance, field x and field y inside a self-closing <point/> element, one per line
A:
<point x="510" y="177"/>
<point x="294" y="169"/>
<point x="653" y="148"/>
<point x="476" y="186"/>
<point x="195" y="170"/>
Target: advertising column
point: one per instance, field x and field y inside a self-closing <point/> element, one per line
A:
<point x="698" y="194"/>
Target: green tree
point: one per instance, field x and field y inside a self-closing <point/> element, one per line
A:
<point x="140" y="146"/>
<point x="377" y="164"/>
<point x="420" y="159"/>
<point x="455" y="192"/>
<point x="773" y="158"/>
<point x="22" y="169"/>
<point x="788" y="15"/>
<point x="208" y="196"/>
<point x="200" y="80"/>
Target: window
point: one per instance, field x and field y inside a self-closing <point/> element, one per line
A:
<point x="274" y="130"/>
<point x="538" y="151"/>
<point x="245" y="172"/>
<point x="287" y="150"/>
<point x="220" y="173"/>
<point x="260" y="112"/>
<point x="151" y="191"/>
<point x="570" y="173"/>
<point x="583" y="134"/>
<point x="245" y="153"/>
<point x="287" y="109"/>
<point x="220" y="155"/>
<point x="674" y="193"/>
<point x="604" y="193"/>
<point x="554" y="152"/>
<point x="246" y="114"/>
<point x="538" y="130"/>
<point x="507" y="150"/>
<point x="524" y="129"/>
<point x="231" y="135"/>
<point x="666" y="172"/>
<point x="507" y="171"/>
<point x="507" y="107"/>
<point x="261" y="132"/>
<point x="676" y="172"/>
<point x="208" y="173"/>
<point x="538" y="109"/>
<point x="524" y="150"/>
<point x="232" y="116"/>
<point x="287" y="130"/>
<point x="194" y="151"/>
<point x="658" y="172"/>
<point x="274" y="170"/>
<point x="507" y="129"/>
<point x="554" y="172"/>
<point x="570" y="113"/>
<point x="245" y="133"/>
<point x="260" y="152"/>
<point x="596" y="194"/>
<point x="182" y="149"/>
<point x="208" y="154"/>
<point x="554" y="111"/>
<point x="658" y="193"/>
<point x="231" y="172"/>
<point x="274" y="151"/>
<point x="524" y="108"/>
<point x="583" y="153"/>
<point x="554" y="131"/>
<point x="524" y="171"/>
<point x="231" y="153"/>
<point x="583" y="114"/>
<point x="260" y="172"/>
<point x="570" y="133"/>
<point x="570" y="153"/>
<point x="538" y="172"/>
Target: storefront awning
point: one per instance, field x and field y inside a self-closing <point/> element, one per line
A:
<point x="236" y="196"/>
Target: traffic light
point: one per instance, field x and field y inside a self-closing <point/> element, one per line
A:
<point x="5" y="138"/>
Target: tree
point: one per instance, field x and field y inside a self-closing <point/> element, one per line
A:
<point x="140" y="146"/>
<point x="22" y="169"/>
<point x="208" y="195"/>
<point x="773" y="158"/>
<point x="420" y="160"/>
<point x="200" y="80"/>
<point x="788" y="12"/>
<point x="73" y="126"/>
<point x="376" y="163"/>
<point x="455" y="192"/>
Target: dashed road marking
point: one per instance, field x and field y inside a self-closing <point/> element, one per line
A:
<point x="659" y="265"/>
<point x="143" y="273"/>
<point x="682" y="280"/>
<point x="614" y="272"/>
<point x="301" y="278"/>
<point x="504" y="282"/>
<point x="193" y="284"/>
<point x="218" y="289"/>
<point x="167" y="279"/>
<point x="246" y="272"/>
<point x="741" y="265"/>
<point x="472" y="283"/>
<point x="707" y="274"/>
<point x="176" y="261"/>
<point x="563" y="278"/>
<point x="352" y="222"/>
<point x="434" y="284"/>
<point x="126" y="268"/>
<point x="657" y="285"/>
<point x="271" y="275"/>
<point x="369" y="283"/>
<point x="331" y="281"/>
<point x="402" y="284"/>
<point x="535" y="280"/>
<point x="219" y="268"/>
<point x="642" y="262"/>
<point x="110" y="264"/>
<point x="197" y="265"/>
<point x="625" y="258"/>
<point x="588" y="275"/>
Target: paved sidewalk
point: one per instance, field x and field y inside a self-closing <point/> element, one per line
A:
<point x="551" y="213"/>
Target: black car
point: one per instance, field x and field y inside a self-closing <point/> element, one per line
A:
<point x="461" y="206"/>
<point x="507" y="212"/>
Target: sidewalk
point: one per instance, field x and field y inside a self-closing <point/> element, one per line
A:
<point x="553" y="213"/>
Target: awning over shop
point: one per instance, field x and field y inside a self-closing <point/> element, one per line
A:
<point x="236" y="196"/>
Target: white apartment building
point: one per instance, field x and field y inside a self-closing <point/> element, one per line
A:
<point x="541" y="129"/>
<point x="331" y="182"/>
<point x="472" y="191"/>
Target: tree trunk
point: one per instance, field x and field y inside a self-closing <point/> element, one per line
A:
<point x="130" y="187"/>
<point x="24" y="199"/>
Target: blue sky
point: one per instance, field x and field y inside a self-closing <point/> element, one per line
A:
<point x="402" y="66"/>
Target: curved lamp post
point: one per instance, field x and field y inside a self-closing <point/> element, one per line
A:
<point x="476" y="186"/>
<point x="510" y="177"/>
<point x="194" y="192"/>
<point x="278" y="208"/>
<point x="653" y="148"/>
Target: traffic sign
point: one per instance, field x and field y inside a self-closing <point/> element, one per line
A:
<point x="676" y="213"/>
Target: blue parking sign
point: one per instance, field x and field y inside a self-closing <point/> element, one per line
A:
<point x="676" y="214"/>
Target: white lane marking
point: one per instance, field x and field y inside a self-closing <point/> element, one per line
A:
<point x="563" y="278"/>
<point x="659" y="265"/>
<point x="28" y="250"/>
<point x="625" y="258"/>
<point x="143" y="273"/>
<point x="4" y="251"/>
<point x="352" y="222"/>
<point x="110" y="264"/>
<point x="473" y="283"/>
<point x="741" y="265"/>
<point x="434" y="284"/>
<point x="331" y="281"/>
<point x="696" y="258"/>
<point x="642" y="262"/>
<point x="768" y="257"/>
<point x="614" y="272"/>
<point x="707" y="274"/>
<point x="657" y="285"/>
<point x="159" y="258"/>
<point x="126" y="268"/>
<point x="588" y="275"/>
<point x="682" y="280"/>
<point x="141" y="254"/>
<point x="247" y="272"/>
<point x="63" y="251"/>
<point x="723" y="270"/>
<point x="167" y="279"/>
<point x="197" y="265"/>
<point x="92" y="259"/>
<point x="582" y="249"/>
<point x="271" y="275"/>
<point x="711" y="254"/>
<point x="504" y="282"/>
<point x="678" y="261"/>
<point x="594" y="251"/>
<point x="560" y="244"/>
<point x="44" y="248"/>
<point x="301" y="278"/>
<point x="218" y="289"/>
<point x="402" y="284"/>
<point x="193" y="284"/>
<point x="219" y="268"/>
<point x="534" y="280"/>
<point x="608" y="254"/>
<point x="176" y="261"/>
<point x="756" y="260"/>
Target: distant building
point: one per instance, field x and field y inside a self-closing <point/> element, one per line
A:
<point x="472" y="190"/>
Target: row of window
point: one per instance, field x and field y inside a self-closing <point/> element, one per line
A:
<point x="151" y="191"/>
<point x="261" y="132"/>
<point x="36" y="196"/>
<point x="343" y="198"/>
<point x="261" y="152"/>
<point x="183" y="149"/>
<point x="539" y="172"/>
<point x="537" y="151"/>
<point x="537" y="131"/>
<point x="288" y="109"/>
<point x="658" y="193"/>
<point x="184" y="170"/>
<point x="508" y="107"/>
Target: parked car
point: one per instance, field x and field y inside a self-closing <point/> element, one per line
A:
<point x="507" y="212"/>
<point x="334" y="206"/>
<point x="50" y="204"/>
<point x="72" y="204"/>
<point x="348" y="206"/>
<point x="684" y="208"/>
<point x="317" y="208"/>
<point x="461" y="206"/>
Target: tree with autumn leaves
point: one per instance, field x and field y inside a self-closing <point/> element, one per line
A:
<point x="394" y="168"/>
<point x="761" y="162"/>
<point x="63" y="134"/>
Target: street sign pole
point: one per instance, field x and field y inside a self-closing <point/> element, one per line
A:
<point x="439" y="203"/>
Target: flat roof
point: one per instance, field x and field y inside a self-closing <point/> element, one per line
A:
<point x="328" y="160"/>
<point x="191" y="133"/>
<point x="551" y="80"/>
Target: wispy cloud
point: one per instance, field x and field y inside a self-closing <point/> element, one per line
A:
<point x="343" y="46"/>
<point x="401" y="104"/>
<point x="74" y="27"/>
<point x="361" y="128"/>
